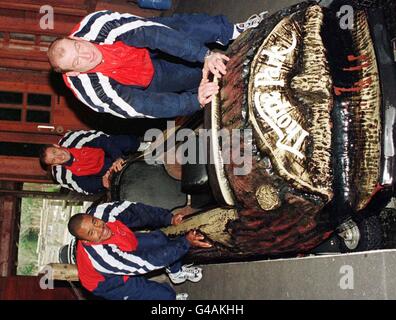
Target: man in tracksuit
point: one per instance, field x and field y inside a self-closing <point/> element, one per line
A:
<point x="130" y="66"/>
<point x="84" y="160"/>
<point x="112" y="259"/>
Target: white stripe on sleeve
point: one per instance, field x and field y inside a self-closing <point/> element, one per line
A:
<point x="57" y="173"/>
<point x="114" y="33"/>
<point x="117" y="100"/>
<point x="84" y="21"/>
<point x="78" y="94"/>
<point x="86" y="82"/>
<point x="99" y="210"/>
<point x="89" y="138"/>
<point x="101" y="21"/>
<point x="117" y="210"/>
<point x="123" y="268"/>
<point x="69" y="179"/>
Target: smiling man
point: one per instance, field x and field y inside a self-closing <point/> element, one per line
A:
<point x="135" y="67"/>
<point x="83" y="161"/>
<point x="111" y="258"/>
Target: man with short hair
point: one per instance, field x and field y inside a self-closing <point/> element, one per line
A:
<point x="112" y="259"/>
<point x="83" y="161"/>
<point x="130" y="66"/>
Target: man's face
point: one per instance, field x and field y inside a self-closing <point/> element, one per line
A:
<point x="56" y="155"/>
<point x="93" y="229"/>
<point x="78" y="55"/>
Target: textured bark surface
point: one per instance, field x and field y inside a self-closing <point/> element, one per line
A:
<point x="67" y="272"/>
<point x="272" y="216"/>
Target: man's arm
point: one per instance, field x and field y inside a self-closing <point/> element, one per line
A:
<point x="165" y="39"/>
<point x="108" y="27"/>
<point x="133" y="215"/>
<point x="83" y="184"/>
<point x="103" y="94"/>
<point x="80" y="138"/>
<point x="116" y="146"/>
<point x="109" y="259"/>
<point x="91" y="184"/>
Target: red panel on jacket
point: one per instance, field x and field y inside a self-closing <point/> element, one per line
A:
<point x="87" y="161"/>
<point x="122" y="237"/>
<point x="126" y="64"/>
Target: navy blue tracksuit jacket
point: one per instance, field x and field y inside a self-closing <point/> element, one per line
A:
<point x="178" y="49"/>
<point x="114" y="146"/>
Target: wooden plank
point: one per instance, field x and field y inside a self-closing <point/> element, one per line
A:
<point x="49" y="195"/>
<point x="6" y="232"/>
<point x="11" y="78"/>
<point x="22" y="169"/>
<point x="24" y="64"/>
<point x="25" y="52"/>
<point x="25" y="178"/>
<point x="16" y="126"/>
<point x="76" y="4"/>
<point x="36" y="8"/>
<point x="13" y="256"/>
<point x="28" y="22"/>
<point x="39" y="138"/>
<point x="62" y="271"/>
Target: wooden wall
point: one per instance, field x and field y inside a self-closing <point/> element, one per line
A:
<point x="24" y="69"/>
<point x="28" y="288"/>
<point x="24" y="17"/>
<point x="9" y="230"/>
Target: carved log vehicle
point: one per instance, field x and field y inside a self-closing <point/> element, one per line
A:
<point x="314" y="103"/>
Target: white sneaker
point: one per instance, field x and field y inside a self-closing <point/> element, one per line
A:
<point x="187" y="272"/>
<point x="252" y="22"/>
<point x="182" y="296"/>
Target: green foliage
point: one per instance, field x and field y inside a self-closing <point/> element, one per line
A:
<point x="28" y="236"/>
<point x="28" y="269"/>
<point x="32" y="211"/>
<point x="27" y="255"/>
<point x="29" y="239"/>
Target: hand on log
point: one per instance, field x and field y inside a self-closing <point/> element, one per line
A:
<point x="195" y="239"/>
<point x="117" y="165"/>
<point x="206" y="91"/>
<point x="106" y="180"/>
<point x="177" y="219"/>
<point x="214" y="62"/>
